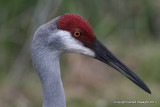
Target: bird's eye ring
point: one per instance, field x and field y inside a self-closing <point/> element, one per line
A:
<point x="76" y="34"/>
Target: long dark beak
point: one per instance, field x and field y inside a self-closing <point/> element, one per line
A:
<point x="104" y="55"/>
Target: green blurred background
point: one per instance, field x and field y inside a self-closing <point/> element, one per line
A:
<point x="129" y="28"/>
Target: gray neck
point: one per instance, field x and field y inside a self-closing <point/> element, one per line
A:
<point x="46" y="62"/>
<point x="47" y="66"/>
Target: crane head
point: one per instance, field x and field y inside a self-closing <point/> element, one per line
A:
<point x="75" y="34"/>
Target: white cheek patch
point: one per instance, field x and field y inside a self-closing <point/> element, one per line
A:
<point x="73" y="45"/>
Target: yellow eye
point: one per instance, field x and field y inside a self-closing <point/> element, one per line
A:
<point x="76" y="34"/>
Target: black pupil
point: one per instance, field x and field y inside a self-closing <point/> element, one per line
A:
<point x="77" y="33"/>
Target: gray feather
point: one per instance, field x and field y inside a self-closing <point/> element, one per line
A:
<point x="45" y="57"/>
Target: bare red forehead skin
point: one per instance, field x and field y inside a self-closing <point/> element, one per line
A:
<point x="73" y="22"/>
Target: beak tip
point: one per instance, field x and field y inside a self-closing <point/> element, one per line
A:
<point x="145" y="88"/>
<point x="148" y="91"/>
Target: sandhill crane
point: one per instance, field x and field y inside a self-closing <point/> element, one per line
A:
<point x="69" y="33"/>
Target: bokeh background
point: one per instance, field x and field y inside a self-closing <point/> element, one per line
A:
<point x="129" y="28"/>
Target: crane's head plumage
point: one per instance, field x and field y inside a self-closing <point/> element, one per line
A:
<point x="72" y="33"/>
<point x="78" y="27"/>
